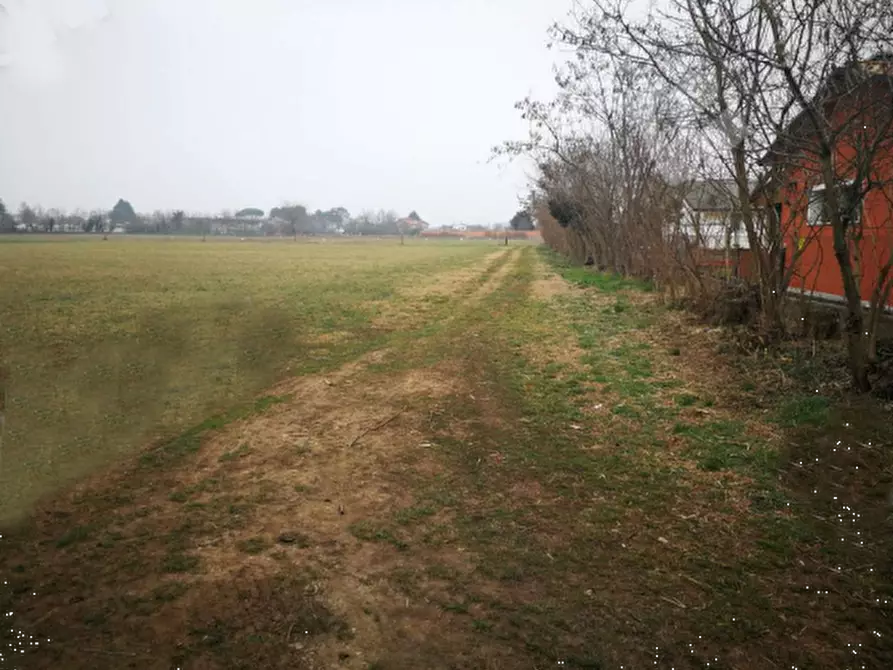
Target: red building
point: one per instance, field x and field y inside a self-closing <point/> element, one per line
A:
<point x="858" y="103"/>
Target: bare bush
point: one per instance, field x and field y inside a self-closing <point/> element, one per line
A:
<point x="777" y="98"/>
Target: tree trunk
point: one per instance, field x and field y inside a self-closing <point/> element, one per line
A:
<point x="857" y="348"/>
<point x="874" y="318"/>
<point x="770" y="314"/>
<point x="879" y="298"/>
<point x="857" y="340"/>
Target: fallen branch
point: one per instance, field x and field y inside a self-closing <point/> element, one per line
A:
<point x="108" y="652"/>
<point x="673" y="601"/>
<point x="46" y="616"/>
<point x="696" y="582"/>
<point x="379" y="425"/>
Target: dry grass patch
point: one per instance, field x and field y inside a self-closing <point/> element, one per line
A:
<point x="453" y="283"/>
<point x="275" y="496"/>
<point x="549" y="286"/>
<point x="423" y="302"/>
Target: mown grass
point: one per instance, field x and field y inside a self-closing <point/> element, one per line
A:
<point x="114" y="344"/>
<point x="801" y="409"/>
<point x="583" y="276"/>
<point x="660" y="529"/>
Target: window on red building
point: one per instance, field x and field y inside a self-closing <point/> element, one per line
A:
<point x="850" y="203"/>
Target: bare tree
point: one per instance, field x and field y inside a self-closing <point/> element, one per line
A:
<point x="295" y="217"/>
<point x="159" y="221"/>
<point x="27" y="216"/>
<point x="604" y="152"/>
<point x="386" y="222"/>
<point x="50" y="219"/>
<point x="177" y="218"/>
<point x="7" y="223"/>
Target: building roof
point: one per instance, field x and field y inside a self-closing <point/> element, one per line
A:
<point x="842" y="81"/>
<point x="711" y="195"/>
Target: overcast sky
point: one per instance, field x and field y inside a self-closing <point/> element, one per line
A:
<point x="207" y="105"/>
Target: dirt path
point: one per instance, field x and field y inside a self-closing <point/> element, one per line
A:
<point x="457" y="289"/>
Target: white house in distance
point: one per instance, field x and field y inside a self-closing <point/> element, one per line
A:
<point x="245" y="222"/>
<point x="709" y="217"/>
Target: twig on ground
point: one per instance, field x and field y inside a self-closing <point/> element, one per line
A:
<point x="673" y="601"/>
<point x="859" y="568"/>
<point x="108" y="652"/>
<point x="379" y="425"/>
<point x="696" y="582"/>
<point x="635" y="618"/>
<point x="45" y="616"/>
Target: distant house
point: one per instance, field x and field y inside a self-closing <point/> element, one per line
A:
<point x="709" y="229"/>
<point x="248" y="222"/>
<point x="220" y="227"/>
<point x="235" y="225"/>
<point x="71" y="224"/>
<point x="709" y="216"/>
<point x="412" y="224"/>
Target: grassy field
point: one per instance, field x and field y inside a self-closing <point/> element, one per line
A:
<point x="471" y="457"/>
<point x="113" y="344"/>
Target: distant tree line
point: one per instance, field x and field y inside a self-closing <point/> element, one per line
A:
<point x="38" y="219"/>
<point x="289" y="219"/>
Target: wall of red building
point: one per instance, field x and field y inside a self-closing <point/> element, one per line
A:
<point x="816" y="268"/>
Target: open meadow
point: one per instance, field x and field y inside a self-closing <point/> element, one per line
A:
<point x="354" y="454"/>
<point x="114" y="344"/>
